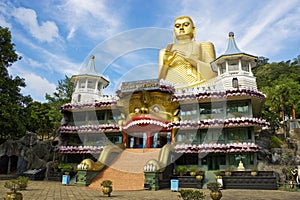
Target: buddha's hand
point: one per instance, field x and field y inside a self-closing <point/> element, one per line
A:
<point x="169" y="56"/>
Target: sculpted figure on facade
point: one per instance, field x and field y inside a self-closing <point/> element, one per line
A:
<point x="186" y="62"/>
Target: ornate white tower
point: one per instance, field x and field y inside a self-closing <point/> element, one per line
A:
<point x="88" y="85"/>
<point x="234" y="67"/>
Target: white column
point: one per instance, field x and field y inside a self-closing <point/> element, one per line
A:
<point x="240" y="65"/>
<point x="77" y="85"/>
<point x="96" y="87"/>
<point x="86" y="83"/>
<point x="226" y="64"/>
<point x="250" y="67"/>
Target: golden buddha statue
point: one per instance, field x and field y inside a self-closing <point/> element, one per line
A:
<point x="186" y="63"/>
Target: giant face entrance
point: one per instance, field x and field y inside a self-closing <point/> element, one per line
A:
<point x="213" y="161"/>
<point x="148" y="140"/>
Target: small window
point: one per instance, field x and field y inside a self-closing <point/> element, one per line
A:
<point x="82" y="84"/>
<point x="110" y="115"/>
<point x="100" y="115"/>
<point x="222" y="68"/>
<point x="233" y="65"/>
<point x="91" y="84"/>
<point x="249" y="134"/>
<point x="245" y="66"/>
<point x="79" y="98"/>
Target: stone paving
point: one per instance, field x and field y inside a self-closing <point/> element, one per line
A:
<point x="46" y="190"/>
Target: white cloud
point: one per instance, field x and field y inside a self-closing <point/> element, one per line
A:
<point x="37" y="86"/>
<point x="262" y="28"/>
<point x="94" y="19"/>
<point x="4" y="23"/>
<point x="52" y="62"/>
<point x="71" y="33"/>
<point x="46" y="32"/>
<point x="4" y="15"/>
<point x="266" y="18"/>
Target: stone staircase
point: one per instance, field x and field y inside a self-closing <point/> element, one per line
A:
<point x="127" y="170"/>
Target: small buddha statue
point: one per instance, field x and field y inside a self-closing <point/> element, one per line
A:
<point x="186" y="62"/>
<point x="241" y="166"/>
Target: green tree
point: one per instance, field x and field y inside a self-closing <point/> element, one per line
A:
<point x="63" y="93"/>
<point x="12" y="102"/>
<point x="280" y="82"/>
<point x="61" y="96"/>
<point x="40" y="120"/>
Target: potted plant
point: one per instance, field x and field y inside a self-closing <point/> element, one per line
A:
<point x="23" y="182"/>
<point x="228" y="170"/>
<point x="199" y="174"/>
<point x="106" y="187"/>
<point x="14" y="186"/>
<point x="254" y="171"/>
<point x="181" y="170"/>
<point x="189" y="194"/>
<point x="193" y="171"/>
<point x="291" y="181"/>
<point x="215" y="192"/>
<point x="218" y="174"/>
<point x="65" y="168"/>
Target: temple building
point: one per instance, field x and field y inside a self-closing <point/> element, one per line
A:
<point x="200" y="111"/>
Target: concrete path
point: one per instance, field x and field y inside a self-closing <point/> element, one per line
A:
<point x="46" y="190"/>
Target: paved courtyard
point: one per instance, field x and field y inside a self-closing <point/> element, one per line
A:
<point x="46" y="190"/>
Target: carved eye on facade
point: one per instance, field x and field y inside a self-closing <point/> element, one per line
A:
<point x="136" y="110"/>
<point x="156" y="109"/>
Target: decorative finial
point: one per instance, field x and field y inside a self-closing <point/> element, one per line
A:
<point x="231" y="34"/>
<point x="92" y="57"/>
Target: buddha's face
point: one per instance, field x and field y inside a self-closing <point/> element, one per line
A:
<point x="183" y="28"/>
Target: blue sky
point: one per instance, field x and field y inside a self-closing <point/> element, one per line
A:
<point x="56" y="37"/>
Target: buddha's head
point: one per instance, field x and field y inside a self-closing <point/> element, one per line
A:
<point x="184" y="28"/>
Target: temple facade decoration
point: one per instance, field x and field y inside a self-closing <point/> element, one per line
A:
<point x="201" y="110"/>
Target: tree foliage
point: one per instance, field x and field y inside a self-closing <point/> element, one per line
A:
<point x="39" y="118"/>
<point x="61" y="96"/>
<point x="44" y="118"/>
<point x="12" y="102"/>
<point x="280" y="81"/>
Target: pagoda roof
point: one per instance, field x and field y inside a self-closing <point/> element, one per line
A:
<point x="90" y="71"/>
<point x="232" y="47"/>
<point x="233" y="50"/>
<point x="90" y="68"/>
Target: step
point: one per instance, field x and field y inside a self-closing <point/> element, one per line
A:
<point x="127" y="170"/>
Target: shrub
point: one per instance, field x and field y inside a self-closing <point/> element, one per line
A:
<point x="275" y="142"/>
<point x="199" y="171"/>
<point x="219" y="173"/>
<point x="65" y="167"/>
<point x="193" y="169"/>
<point x="23" y="182"/>
<point x="13" y="185"/>
<point x="191" y="194"/>
<point x="229" y="168"/>
<point x="213" y="186"/>
<point x="254" y="169"/>
<point x="106" y="183"/>
<point x="181" y="170"/>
